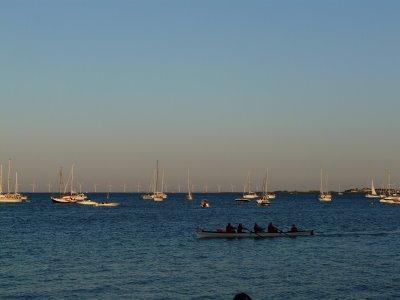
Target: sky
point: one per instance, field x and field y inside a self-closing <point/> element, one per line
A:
<point x="220" y="87"/>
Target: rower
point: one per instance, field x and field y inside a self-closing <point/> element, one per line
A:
<point x="293" y="228"/>
<point x="240" y="228"/>
<point x="257" y="228"/>
<point x="271" y="228"/>
<point x="229" y="228"/>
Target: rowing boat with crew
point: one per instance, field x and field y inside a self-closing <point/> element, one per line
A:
<point x="201" y="233"/>
<point x="258" y="232"/>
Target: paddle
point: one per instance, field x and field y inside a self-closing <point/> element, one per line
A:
<point x="280" y="231"/>
<point x="260" y="236"/>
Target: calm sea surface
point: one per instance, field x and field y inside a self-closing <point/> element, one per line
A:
<point x="147" y="250"/>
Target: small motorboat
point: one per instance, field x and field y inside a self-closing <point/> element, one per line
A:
<point x="204" y="204"/>
<point x="262" y="202"/>
<point x="201" y="233"/>
<point x="240" y="200"/>
<point x="106" y="203"/>
<point x="87" y="202"/>
<point x="63" y="199"/>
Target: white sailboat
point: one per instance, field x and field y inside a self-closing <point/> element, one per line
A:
<point x="10" y="197"/>
<point x="391" y="196"/>
<point x="373" y="193"/>
<point x="189" y="196"/>
<point x="149" y="195"/>
<point x="72" y="196"/>
<point x="164" y="195"/>
<point x="248" y="195"/>
<point x="340" y="193"/>
<point x="157" y="195"/>
<point x="324" y="196"/>
<point x="264" y="200"/>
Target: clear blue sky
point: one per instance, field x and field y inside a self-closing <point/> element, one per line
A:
<point x="222" y="87"/>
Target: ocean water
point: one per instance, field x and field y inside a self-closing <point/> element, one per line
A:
<point x="147" y="250"/>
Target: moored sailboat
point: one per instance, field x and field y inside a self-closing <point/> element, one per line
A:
<point x="189" y="195"/>
<point x="391" y="196"/>
<point x="373" y="193"/>
<point x="72" y="196"/>
<point x="248" y="195"/>
<point x="264" y="200"/>
<point x="10" y="197"/>
<point x="324" y="196"/>
<point x="157" y="195"/>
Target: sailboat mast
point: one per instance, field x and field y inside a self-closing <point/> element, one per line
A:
<point x="153" y="182"/>
<point x="16" y="183"/>
<point x="188" y="182"/>
<point x="1" y="179"/>
<point x="266" y="182"/>
<point x="326" y="183"/>
<point x="156" y="186"/>
<point x="60" y="179"/>
<point x="162" y="182"/>
<point x="249" y="183"/>
<point x="321" y="185"/>
<point x="8" y="176"/>
<point x="72" y="179"/>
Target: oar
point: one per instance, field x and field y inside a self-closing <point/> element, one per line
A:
<point x="260" y="236"/>
<point x="280" y="231"/>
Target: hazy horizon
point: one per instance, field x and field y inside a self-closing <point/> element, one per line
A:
<point x="222" y="88"/>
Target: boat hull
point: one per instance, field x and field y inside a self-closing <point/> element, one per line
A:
<point x="12" y="198"/>
<point x="243" y="200"/>
<point x="87" y="202"/>
<point x="61" y="200"/>
<point x="112" y="204"/>
<point x="372" y="196"/>
<point x="8" y="200"/>
<point x="202" y="234"/>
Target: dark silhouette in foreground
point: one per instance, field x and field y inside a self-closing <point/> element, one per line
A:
<point x="241" y="296"/>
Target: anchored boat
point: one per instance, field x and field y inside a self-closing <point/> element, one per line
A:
<point x="189" y="195"/>
<point x="264" y="200"/>
<point x="373" y="193"/>
<point x="10" y="197"/>
<point x="204" y="204"/>
<point x="324" y="196"/>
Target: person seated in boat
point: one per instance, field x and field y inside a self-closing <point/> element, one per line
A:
<point x="293" y="228"/>
<point x="271" y="228"/>
<point x="240" y="228"/>
<point x="257" y="228"/>
<point x="229" y="228"/>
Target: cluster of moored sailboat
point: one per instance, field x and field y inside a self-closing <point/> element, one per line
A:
<point x="249" y="195"/>
<point x="386" y="195"/>
<point x="157" y="195"/>
<point x="10" y="197"/>
<point x="63" y="197"/>
<point x="76" y="198"/>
